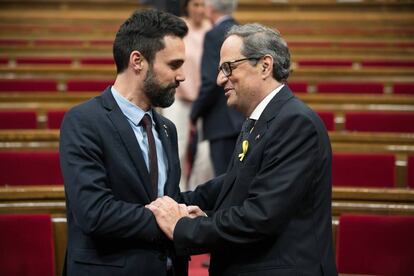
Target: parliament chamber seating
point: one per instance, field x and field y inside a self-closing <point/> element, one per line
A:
<point x="42" y="60"/>
<point x="298" y="86"/>
<point x="375" y="245"/>
<point x="410" y="171"/>
<point x="404" y="88"/>
<point x="18" y="119"/>
<point x="328" y="119"/>
<point x="27" y="246"/>
<point x="28" y="85"/>
<point x="380" y="121"/>
<point x="363" y="170"/>
<point x="30" y="168"/>
<point x="344" y="62"/>
<point x="350" y="87"/>
<point x="54" y="118"/>
<point x="87" y="85"/>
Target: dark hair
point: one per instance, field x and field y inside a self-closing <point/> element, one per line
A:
<point x="144" y="31"/>
<point x="184" y="7"/>
<point x="259" y="40"/>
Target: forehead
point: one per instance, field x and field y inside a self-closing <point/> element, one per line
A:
<point x="231" y="49"/>
<point x="196" y="2"/>
<point x="174" y="49"/>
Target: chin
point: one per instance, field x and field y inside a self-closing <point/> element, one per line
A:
<point x="231" y="103"/>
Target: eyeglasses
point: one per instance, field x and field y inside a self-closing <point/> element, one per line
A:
<point x="227" y="67"/>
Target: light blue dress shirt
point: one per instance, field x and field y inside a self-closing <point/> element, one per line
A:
<point x="134" y="114"/>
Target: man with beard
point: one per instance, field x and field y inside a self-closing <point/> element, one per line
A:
<point x="118" y="154"/>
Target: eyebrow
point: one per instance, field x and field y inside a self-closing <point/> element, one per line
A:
<point x="176" y="62"/>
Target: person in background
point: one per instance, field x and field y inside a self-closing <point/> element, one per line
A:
<point x="271" y="212"/>
<point x="221" y="124"/>
<point x="171" y="6"/>
<point x="194" y="15"/>
<point x="118" y="154"/>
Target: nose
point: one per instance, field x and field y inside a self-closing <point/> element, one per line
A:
<point x="180" y="75"/>
<point x="221" y="79"/>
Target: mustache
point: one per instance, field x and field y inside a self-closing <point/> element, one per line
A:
<point x="174" y="85"/>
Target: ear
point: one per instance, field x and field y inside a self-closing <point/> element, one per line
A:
<point x="267" y="66"/>
<point x="136" y="60"/>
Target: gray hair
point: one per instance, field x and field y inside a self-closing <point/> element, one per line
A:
<point x="258" y="41"/>
<point x="223" y="6"/>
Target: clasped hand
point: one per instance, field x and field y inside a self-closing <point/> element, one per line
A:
<point x="167" y="212"/>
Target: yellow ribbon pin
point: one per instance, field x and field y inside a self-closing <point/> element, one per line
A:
<point x="245" y="146"/>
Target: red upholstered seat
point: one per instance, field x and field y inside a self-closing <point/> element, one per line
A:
<point x="97" y="61"/>
<point x="54" y="118"/>
<point x="328" y="118"/>
<point x="379" y="121"/>
<point x="410" y="171"/>
<point x="26" y="245"/>
<point x="87" y="85"/>
<point x="404" y="88"/>
<point x="363" y="44"/>
<point x="4" y="60"/>
<point x="324" y="63"/>
<point x="14" y="42"/>
<point x="101" y="42"/>
<point x="58" y="42"/>
<point x="405" y="44"/>
<point x="350" y="87"/>
<point x="387" y="63"/>
<point x="310" y="44"/>
<point x="30" y="168"/>
<point x="27" y="85"/>
<point x="375" y="245"/>
<point x="18" y="119"/>
<point x="298" y="87"/>
<point x="44" y="60"/>
<point x="363" y="170"/>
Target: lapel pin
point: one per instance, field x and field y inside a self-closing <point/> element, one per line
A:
<point x="165" y="129"/>
<point x="245" y="146"/>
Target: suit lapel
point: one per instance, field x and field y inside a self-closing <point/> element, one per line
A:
<point x="230" y="174"/>
<point x="127" y="136"/>
<point x="258" y="132"/>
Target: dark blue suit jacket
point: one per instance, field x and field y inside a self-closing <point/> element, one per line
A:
<point x="272" y="213"/>
<point x="219" y="121"/>
<point x="107" y="185"/>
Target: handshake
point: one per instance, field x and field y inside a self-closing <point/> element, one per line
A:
<point x="167" y="212"/>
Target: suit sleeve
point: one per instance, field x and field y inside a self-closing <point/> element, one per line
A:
<point x="204" y="195"/>
<point x="275" y="190"/>
<point x="95" y="209"/>
<point x="209" y="91"/>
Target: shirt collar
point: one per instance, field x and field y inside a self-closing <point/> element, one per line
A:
<point x="262" y="105"/>
<point x="130" y="110"/>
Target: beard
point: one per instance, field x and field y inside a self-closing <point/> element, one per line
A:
<point x="159" y="95"/>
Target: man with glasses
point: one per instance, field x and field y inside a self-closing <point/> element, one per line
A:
<point x="270" y="214"/>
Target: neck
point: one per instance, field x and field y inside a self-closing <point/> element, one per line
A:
<point x="264" y="90"/>
<point x="196" y="24"/>
<point x="130" y="90"/>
